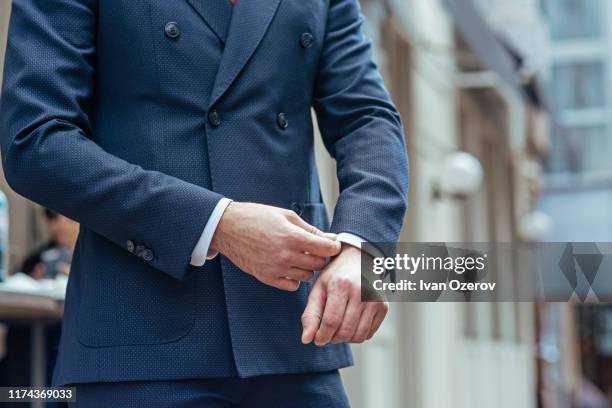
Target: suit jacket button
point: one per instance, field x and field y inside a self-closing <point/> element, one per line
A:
<point x="306" y="40"/>
<point x="172" y="30"/>
<point x="147" y="255"/>
<point x="297" y="208"/>
<point x="138" y="250"/>
<point x="130" y="245"/>
<point x="214" y="118"/>
<point x="283" y="122"/>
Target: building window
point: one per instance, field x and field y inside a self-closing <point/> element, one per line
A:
<point x="578" y="85"/>
<point x="574" y="19"/>
<point x="585" y="149"/>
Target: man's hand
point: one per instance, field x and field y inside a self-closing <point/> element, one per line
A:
<point x="334" y="312"/>
<point x="273" y="244"/>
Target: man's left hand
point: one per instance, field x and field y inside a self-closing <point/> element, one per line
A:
<point x="335" y="312"/>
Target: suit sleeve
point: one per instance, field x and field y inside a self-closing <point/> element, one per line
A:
<point x="49" y="155"/>
<point x="362" y="131"/>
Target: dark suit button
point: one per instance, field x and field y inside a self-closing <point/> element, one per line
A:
<point x="306" y="40"/>
<point x="147" y="255"/>
<point x="172" y="30"/>
<point x="138" y="250"/>
<point x="130" y="245"/>
<point x="297" y="208"/>
<point x="214" y="118"/>
<point x="282" y="121"/>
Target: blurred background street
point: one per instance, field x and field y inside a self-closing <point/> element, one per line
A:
<point x="525" y="88"/>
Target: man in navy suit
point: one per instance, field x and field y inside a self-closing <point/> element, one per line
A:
<point x="177" y="130"/>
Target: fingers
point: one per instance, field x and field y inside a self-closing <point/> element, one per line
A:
<point x="311" y="318"/>
<point x="365" y="323"/>
<point x="310" y="239"/>
<point x="315" y="244"/>
<point x="333" y="315"/>
<point x="299" y="274"/>
<point x="289" y="285"/>
<point x="379" y="317"/>
<point x="309" y="262"/>
<point x="350" y="322"/>
<point x="298" y="221"/>
<point x="330" y="235"/>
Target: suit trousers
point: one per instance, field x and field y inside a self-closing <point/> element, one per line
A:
<point x="308" y="390"/>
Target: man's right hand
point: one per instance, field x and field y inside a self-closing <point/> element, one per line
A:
<point x="273" y="244"/>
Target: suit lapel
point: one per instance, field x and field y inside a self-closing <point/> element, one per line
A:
<point x="249" y="24"/>
<point x="216" y="13"/>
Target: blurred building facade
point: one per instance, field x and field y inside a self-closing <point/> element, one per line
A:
<point x="579" y="175"/>
<point x="459" y="88"/>
<point x="579" y="171"/>
<point x="573" y="59"/>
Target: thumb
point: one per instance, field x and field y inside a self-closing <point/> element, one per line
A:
<point x="311" y="318"/>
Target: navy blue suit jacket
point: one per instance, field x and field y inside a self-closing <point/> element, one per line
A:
<point x="136" y="128"/>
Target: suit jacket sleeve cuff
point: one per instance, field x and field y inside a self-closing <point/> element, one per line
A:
<point x="202" y="252"/>
<point x="357" y="241"/>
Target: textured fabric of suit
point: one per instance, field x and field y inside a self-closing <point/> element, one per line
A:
<point x="104" y="118"/>
<point x="311" y="390"/>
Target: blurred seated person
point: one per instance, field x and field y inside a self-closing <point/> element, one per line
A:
<point x="55" y="256"/>
<point x="50" y="261"/>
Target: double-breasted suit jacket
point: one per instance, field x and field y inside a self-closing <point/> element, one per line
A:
<point x="136" y="117"/>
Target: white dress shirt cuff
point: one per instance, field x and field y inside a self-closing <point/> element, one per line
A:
<point x="357" y="241"/>
<point x="201" y="253"/>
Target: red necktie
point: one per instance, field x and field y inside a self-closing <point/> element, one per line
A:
<point x="233" y="1"/>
